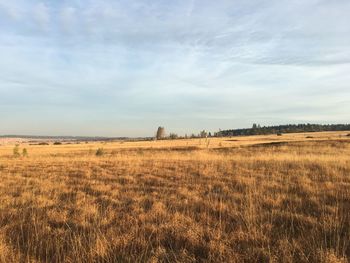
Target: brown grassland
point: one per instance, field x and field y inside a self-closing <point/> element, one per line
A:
<point x="241" y="199"/>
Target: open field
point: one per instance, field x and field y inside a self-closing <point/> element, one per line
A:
<point x="240" y="199"/>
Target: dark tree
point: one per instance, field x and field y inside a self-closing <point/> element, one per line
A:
<point x="160" y="133"/>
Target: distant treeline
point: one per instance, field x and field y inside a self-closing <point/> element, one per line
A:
<point x="289" y="128"/>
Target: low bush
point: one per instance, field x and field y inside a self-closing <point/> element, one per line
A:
<point x="100" y="152"/>
<point x="24" y="152"/>
<point x="16" y="151"/>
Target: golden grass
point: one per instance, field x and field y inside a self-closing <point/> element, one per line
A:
<point x="244" y="199"/>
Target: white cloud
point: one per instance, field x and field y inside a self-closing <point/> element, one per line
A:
<point x="12" y="10"/>
<point x="41" y="14"/>
<point x="68" y="18"/>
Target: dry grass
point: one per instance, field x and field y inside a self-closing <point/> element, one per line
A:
<point x="257" y="199"/>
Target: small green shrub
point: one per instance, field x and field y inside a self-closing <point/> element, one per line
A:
<point x="24" y="152"/>
<point x="16" y="151"/>
<point x="100" y="152"/>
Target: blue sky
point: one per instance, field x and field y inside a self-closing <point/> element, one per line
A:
<point x="115" y="68"/>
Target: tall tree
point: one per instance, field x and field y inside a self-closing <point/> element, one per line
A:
<point x="160" y="133"/>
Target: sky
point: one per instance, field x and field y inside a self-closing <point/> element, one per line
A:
<point x="123" y="68"/>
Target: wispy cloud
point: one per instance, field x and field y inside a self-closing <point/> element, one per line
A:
<point x="41" y="15"/>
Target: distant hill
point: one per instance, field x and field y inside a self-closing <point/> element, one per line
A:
<point x="63" y="138"/>
<point x="279" y="129"/>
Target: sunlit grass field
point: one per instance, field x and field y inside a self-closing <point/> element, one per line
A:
<point x="241" y="199"/>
